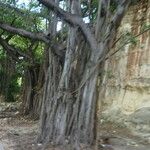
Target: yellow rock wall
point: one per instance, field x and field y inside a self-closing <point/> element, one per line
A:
<point x="126" y="79"/>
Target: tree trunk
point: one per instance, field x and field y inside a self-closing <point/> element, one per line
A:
<point x="70" y="93"/>
<point x="32" y="91"/>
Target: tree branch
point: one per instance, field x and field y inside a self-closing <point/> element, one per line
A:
<point x="108" y="41"/>
<point x="24" y="33"/>
<point x="73" y="20"/>
<point x="57" y="49"/>
<point x="14" y="52"/>
<point x="113" y="26"/>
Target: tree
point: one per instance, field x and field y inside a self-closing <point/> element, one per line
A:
<point x="73" y="58"/>
<point x="69" y="99"/>
<point x="26" y="51"/>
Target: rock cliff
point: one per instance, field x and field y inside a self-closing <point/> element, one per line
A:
<point x="125" y="88"/>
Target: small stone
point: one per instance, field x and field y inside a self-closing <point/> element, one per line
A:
<point x="39" y="144"/>
<point x="133" y="143"/>
<point x="52" y="143"/>
<point x="17" y="112"/>
<point x="1" y="147"/>
<point x="102" y="120"/>
<point x="128" y="144"/>
<point x="148" y="140"/>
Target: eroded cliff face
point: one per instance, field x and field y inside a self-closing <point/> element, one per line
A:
<point x="126" y="80"/>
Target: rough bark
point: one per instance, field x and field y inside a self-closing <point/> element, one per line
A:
<point x="64" y="84"/>
<point x="32" y="91"/>
<point x="30" y="82"/>
<point x="69" y="106"/>
<point x="24" y="33"/>
<point x="50" y="88"/>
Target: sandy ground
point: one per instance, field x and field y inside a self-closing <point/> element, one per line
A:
<point x="18" y="133"/>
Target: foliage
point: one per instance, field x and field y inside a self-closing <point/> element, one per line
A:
<point x="131" y="38"/>
<point x="21" y="17"/>
<point x="2" y="54"/>
<point x="9" y="85"/>
<point x="113" y="5"/>
<point x="146" y="26"/>
<point x="13" y="88"/>
<point x="89" y="9"/>
<point x="28" y="18"/>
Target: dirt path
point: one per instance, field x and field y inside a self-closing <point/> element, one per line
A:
<point x="17" y="133"/>
<point x="121" y="138"/>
